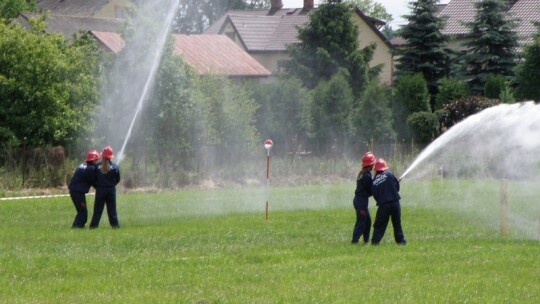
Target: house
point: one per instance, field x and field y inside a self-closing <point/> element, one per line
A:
<point x="265" y="34"/>
<point x="199" y="51"/>
<point x="459" y="12"/>
<point x="86" y="8"/>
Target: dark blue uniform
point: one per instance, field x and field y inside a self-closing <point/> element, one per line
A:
<point x="363" y="191"/>
<point x="386" y="193"/>
<point x="84" y="177"/>
<point x="106" y="195"/>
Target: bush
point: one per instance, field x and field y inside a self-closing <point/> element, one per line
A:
<point x="462" y="108"/>
<point x="425" y="126"/>
<point x="451" y="89"/>
<point x="495" y="84"/>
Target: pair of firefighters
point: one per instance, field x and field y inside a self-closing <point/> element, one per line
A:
<point x="104" y="177"/>
<point x="385" y="189"/>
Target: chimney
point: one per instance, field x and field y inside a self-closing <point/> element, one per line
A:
<point x="276" y="5"/>
<point x="308" y="4"/>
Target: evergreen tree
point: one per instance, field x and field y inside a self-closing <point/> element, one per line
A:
<point x="491" y="48"/>
<point x="425" y="50"/>
<point x="328" y="43"/>
<point x="527" y="76"/>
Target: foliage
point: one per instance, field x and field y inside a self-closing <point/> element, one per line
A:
<point x="171" y="118"/>
<point x="328" y="43"/>
<point x="494" y="86"/>
<point x="492" y="44"/>
<point x="412" y="91"/>
<point x="373" y="116"/>
<point x="527" y="75"/>
<point x="47" y="88"/>
<point x="227" y="129"/>
<point x="425" y="49"/>
<point x="10" y="9"/>
<point x="332" y="114"/>
<point x="195" y="16"/>
<point x="371" y="8"/>
<point x="283" y="113"/>
<point x="457" y="110"/>
<point x="451" y="89"/>
<point x="425" y="126"/>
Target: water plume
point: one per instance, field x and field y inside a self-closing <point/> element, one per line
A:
<point x="134" y="71"/>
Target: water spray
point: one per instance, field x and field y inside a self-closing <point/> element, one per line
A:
<point x="267" y="145"/>
<point x="155" y="63"/>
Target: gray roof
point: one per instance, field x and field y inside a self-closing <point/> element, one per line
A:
<point x="69" y="25"/>
<point x="459" y="12"/>
<point x="83" y="8"/>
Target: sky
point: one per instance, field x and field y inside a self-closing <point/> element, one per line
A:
<point x="396" y="8"/>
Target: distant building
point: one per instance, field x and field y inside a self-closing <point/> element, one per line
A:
<point x="265" y="34"/>
<point x="459" y="12"/>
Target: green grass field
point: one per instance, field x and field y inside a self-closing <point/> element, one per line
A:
<point x="214" y="246"/>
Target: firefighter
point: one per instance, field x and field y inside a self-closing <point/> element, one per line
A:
<point x="85" y="176"/>
<point x="363" y="191"/>
<point x="386" y="194"/>
<point x="107" y="179"/>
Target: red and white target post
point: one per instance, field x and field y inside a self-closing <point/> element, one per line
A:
<point x="267" y="145"/>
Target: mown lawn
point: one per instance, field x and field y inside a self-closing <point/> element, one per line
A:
<point x="214" y="246"/>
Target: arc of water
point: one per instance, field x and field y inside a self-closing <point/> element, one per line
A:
<point x="157" y="58"/>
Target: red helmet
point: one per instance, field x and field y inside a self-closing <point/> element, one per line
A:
<point x="368" y="159"/>
<point x="92" y="155"/>
<point x="107" y="152"/>
<point x="380" y="165"/>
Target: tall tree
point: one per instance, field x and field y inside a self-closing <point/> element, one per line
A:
<point x="491" y="48"/>
<point x="527" y="76"/>
<point x="371" y="8"/>
<point x="195" y="16"/>
<point x="425" y="49"/>
<point x="328" y="43"/>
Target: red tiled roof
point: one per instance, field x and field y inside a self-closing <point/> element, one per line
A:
<point x="113" y="41"/>
<point x="217" y="54"/>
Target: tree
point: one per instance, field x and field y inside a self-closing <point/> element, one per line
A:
<point x="527" y="75"/>
<point x="328" y="43"/>
<point x="10" y="9"/>
<point x="410" y="96"/>
<point x="283" y="113"/>
<point x="425" y="49"/>
<point x="373" y="116"/>
<point x="492" y="45"/>
<point x="195" y="16"/>
<point x="47" y="87"/>
<point x="450" y="89"/>
<point x="371" y="8"/>
<point x="332" y="114"/>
